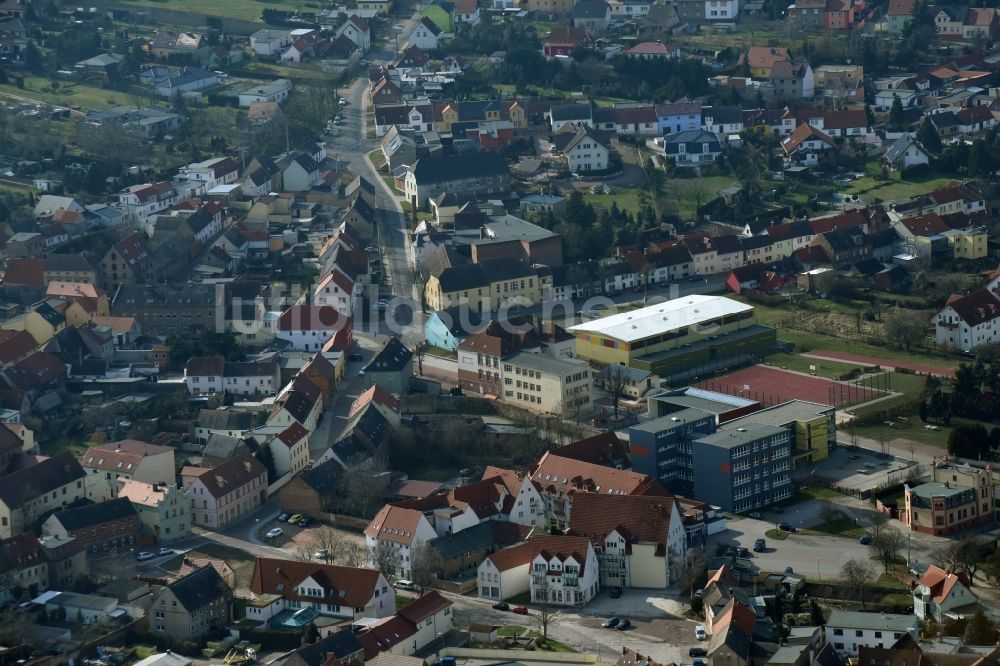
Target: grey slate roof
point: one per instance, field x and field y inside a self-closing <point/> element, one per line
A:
<point x="95" y="514"/>
<point x="393" y="357"/>
<point x="199" y="588"/>
<point x="444" y="168"/>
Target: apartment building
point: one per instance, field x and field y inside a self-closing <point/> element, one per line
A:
<point x="563" y="569"/>
<point x="225" y="494"/>
<point x="956" y="498"/>
<point x="543" y="385"/>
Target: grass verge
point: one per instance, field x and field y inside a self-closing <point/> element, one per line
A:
<point x="776" y="534"/>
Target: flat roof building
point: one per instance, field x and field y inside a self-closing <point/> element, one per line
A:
<point x="676" y="339"/>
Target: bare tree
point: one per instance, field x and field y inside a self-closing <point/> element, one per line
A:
<point x="963" y="555"/>
<point x="906" y="327"/>
<point x="420" y="351"/>
<point x="425" y="564"/>
<point x="615" y="382"/>
<point x="384" y="557"/>
<point x="543" y="600"/>
<point x="859" y="574"/>
<point x="353" y="555"/>
<point x="690" y="569"/>
<point x="886" y="544"/>
<point x="302" y="554"/>
<point x="330" y="543"/>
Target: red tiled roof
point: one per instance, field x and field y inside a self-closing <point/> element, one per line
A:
<point x="24" y="271"/>
<point x="346" y="586"/>
<point x="375" y="394"/>
<point x="15" y="345"/>
<point x="424" y="607"/>
<point x="636" y="517"/>
<point x="925" y="225"/>
<point x="395" y="524"/>
<point x="572" y="476"/>
<point x="234" y="473"/>
<point x="976" y="308"/>
<point x="293" y="434"/>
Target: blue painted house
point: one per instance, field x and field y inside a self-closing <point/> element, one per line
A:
<point x="447" y="329"/>
<point x="679" y="116"/>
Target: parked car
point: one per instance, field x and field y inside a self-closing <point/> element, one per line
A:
<point x="274" y="533"/>
<point x="144" y="555"/>
<point x="404" y="584"/>
<point x="610" y="623"/>
<point x="865" y="539"/>
<point x="321" y="554"/>
<point x="283" y="517"/>
<point x="616" y="592"/>
<point x="742" y="552"/>
<point x="699" y="632"/>
<point x="165" y="551"/>
<point x="785" y="527"/>
<point x="305" y="521"/>
<point x="697" y="652"/>
<point x="623" y="625"/>
<point x="759" y="545"/>
<point x="294" y="520"/>
<point x="501" y="606"/>
<point x="519" y="609"/>
<point x="699" y="661"/>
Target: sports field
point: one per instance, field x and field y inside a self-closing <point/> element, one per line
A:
<point x="772" y="386"/>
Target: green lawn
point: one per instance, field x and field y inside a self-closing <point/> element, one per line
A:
<point x="687" y="203"/>
<point x="514" y="630"/>
<point x="776" y="534"/>
<point x="441" y="353"/>
<point x="246" y="10"/>
<point x="402" y="601"/>
<point x="819" y="493"/>
<point x="897" y="599"/>
<point x="288" y="71"/>
<point x="827" y="369"/>
<point x="68" y="94"/>
<point x="843" y="526"/>
<point x="897" y="187"/>
<point x="631" y="200"/>
<point x="887" y="581"/>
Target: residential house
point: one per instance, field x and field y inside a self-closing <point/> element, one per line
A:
<point x="23" y="564"/>
<point x="229" y="422"/>
<point x="905" y="153"/>
<point x="333" y="591"/>
<point x="140" y="202"/>
<point x="654" y="51"/>
<point x="940" y="595"/>
<point x="112" y="525"/>
<point x="426" y="35"/>
<point x="680" y="116"/>
<point x="969" y="321"/>
<point x="270" y="43"/>
<point x="391" y="368"/>
<point x="467" y="12"/>
<point x="225" y="494"/>
<point x="313" y="492"/>
<point x="792" y="81"/>
<point x="955" y="499"/>
<point x="585" y="150"/>
<point x="591" y="15"/>
<point x="561" y="479"/>
<point x="192" y="606"/>
<point x="167" y="309"/>
<point x="164" y="510"/>
<point x="563" y="39"/>
<point x="340" y="648"/>
<point x="562" y="570"/>
<point x="29" y="494"/>
<point x="722" y="120"/>
<point x="573" y="115"/>
<point x="290" y="449"/>
<point x="839" y="14"/>
<point x="732" y="634"/>
<point x="899" y="14"/>
<point x="470" y="174"/>
<point x="760" y="59"/>
<point x="127" y="261"/>
<point x="337" y="290"/>
<point x="804" y="146"/>
<point x="401" y="528"/>
<point x="358" y="31"/>
<point x="692" y="147"/>
<point x="639" y="540"/>
<point x="484" y="286"/>
<point x="415" y="627"/>
<point x="129" y="459"/>
<point x="314" y="328"/>
<point x="848" y="631"/>
<point x="722" y="10"/>
<point x="447" y="329"/>
<point x="274" y="91"/>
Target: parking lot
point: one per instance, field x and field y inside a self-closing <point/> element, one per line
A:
<point x="857" y="469"/>
<point x="812" y="556"/>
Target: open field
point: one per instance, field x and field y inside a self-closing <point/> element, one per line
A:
<point x="772" y="386"/>
<point x="241" y="561"/>
<point x="68" y="94"/>
<point x="896" y="187"/>
<point x="246" y="10"/>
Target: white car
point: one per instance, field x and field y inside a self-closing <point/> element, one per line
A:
<point x="699" y="632"/>
<point x="144" y="555"/>
<point x="343" y="101"/>
<point x="274" y="533"/>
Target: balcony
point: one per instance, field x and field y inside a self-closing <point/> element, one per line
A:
<point x="539" y="580"/>
<point x="571" y="581"/>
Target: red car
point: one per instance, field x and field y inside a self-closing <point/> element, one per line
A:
<point x="519" y="609"/>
